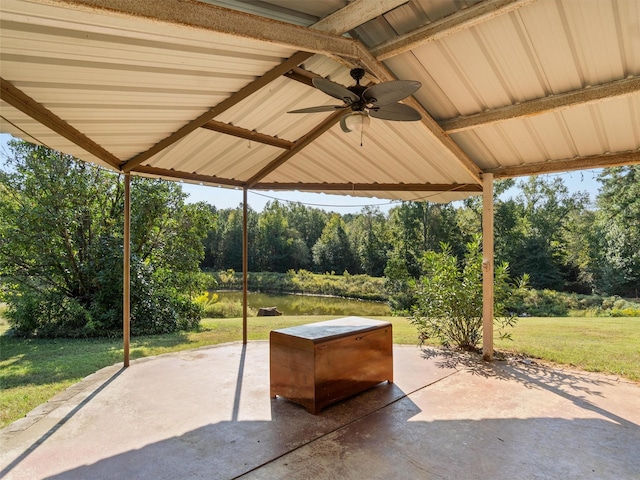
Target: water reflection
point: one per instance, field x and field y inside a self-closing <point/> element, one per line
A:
<point x="309" y="305"/>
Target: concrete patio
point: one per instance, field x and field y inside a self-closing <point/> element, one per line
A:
<point x="206" y="413"/>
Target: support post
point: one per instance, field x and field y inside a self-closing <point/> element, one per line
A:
<point x="245" y="265"/>
<point x="487" y="266"/>
<point x="126" y="277"/>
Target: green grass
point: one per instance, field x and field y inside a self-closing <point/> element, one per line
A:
<point x="32" y="371"/>
<point x="596" y="344"/>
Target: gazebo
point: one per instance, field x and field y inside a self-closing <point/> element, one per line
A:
<point x="198" y="91"/>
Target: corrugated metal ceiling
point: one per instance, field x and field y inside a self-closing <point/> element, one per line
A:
<point x="509" y="87"/>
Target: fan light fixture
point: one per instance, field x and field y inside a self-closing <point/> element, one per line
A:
<point x="355" y="122"/>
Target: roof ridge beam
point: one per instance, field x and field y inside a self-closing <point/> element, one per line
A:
<point x="457" y="21"/>
<point x="355" y="14"/>
<point x="605" y="160"/>
<point x="539" y="106"/>
<point x="27" y="105"/>
<point x="225" y="21"/>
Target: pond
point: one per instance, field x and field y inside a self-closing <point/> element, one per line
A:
<point x="309" y="305"/>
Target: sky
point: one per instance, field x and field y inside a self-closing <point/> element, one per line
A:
<point x="583" y="181"/>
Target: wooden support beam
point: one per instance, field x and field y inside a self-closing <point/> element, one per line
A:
<point x="487" y="267"/>
<point x="211" y="18"/>
<point x="460" y="20"/>
<point x="605" y="160"/>
<point x="126" y="276"/>
<point x="245" y="265"/>
<point x="223" y="106"/>
<point x="300" y="144"/>
<point x="192" y="177"/>
<point x="301" y="75"/>
<point x="355" y="14"/>
<point x="252" y="135"/>
<point x="370" y="187"/>
<point x="539" y="106"/>
<point x="29" y="106"/>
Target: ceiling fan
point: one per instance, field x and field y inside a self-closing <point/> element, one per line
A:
<point x="378" y="101"/>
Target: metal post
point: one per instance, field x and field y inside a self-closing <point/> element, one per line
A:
<point x="245" y="265"/>
<point x="126" y="279"/>
<point x="487" y="266"/>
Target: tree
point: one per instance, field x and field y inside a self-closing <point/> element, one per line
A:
<point x="534" y="244"/>
<point x="618" y="221"/>
<point x="279" y="247"/>
<point x="332" y="252"/>
<point x="309" y="223"/>
<point x="61" y="235"/>
<point x="368" y="233"/>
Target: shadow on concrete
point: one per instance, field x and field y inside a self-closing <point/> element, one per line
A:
<point x="387" y="444"/>
<point x="449" y="416"/>
<point x="227" y="450"/>
<point x="39" y="441"/>
<point x="571" y="386"/>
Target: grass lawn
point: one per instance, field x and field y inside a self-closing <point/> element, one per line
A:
<point x="597" y="344"/>
<point x="33" y="371"/>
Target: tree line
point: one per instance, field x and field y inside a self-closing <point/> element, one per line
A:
<point x="559" y="239"/>
<point x="61" y="243"/>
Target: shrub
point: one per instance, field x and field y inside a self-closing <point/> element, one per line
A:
<point x="362" y="287"/>
<point x="449" y="298"/>
<point x="214" y="308"/>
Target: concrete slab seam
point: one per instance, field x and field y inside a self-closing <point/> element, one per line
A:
<point x="355" y="420"/>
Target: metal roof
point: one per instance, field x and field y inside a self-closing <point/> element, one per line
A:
<point x="198" y="91"/>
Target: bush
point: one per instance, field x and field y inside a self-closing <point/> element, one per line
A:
<point x="361" y="287"/>
<point x="549" y="303"/>
<point x="214" y="308"/>
<point x="449" y="298"/>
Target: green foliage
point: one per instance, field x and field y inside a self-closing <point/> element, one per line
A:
<point x="542" y="230"/>
<point x="618" y="221"/>
<point x="332" y="251"/>
<point x="549" y="303"/>
<point x="449" y="298"/>
<point x="369" y="237"/>
<point x="61" y="243"/>
<point x="213" y="307"/>
<point x="362" y="287"/>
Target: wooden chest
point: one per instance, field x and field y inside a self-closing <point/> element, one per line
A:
<point x="321" y="363"/>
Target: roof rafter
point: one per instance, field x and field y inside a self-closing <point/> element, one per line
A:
<point x="210" y="114"/>
<point x="538" y="106"/>
<point x="299" y="144"/>
<point x="27" y="105"/>
<point x="577" y="163"/>
<point x="252" y="135"/>
<point x="196" y="177"/>
<point x="460" y="20"/>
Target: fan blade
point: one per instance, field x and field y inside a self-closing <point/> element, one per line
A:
<point x="335" y="90"/>
<point x="343" y="124"/>
<point x="386" y="93"/>
<point x="321" y="108"/>
<point x="397" y="112"/>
